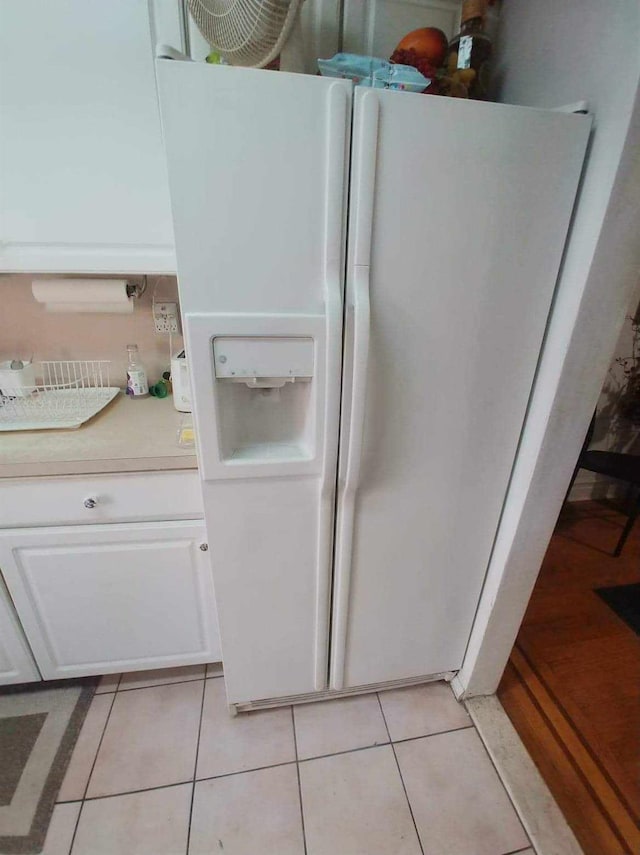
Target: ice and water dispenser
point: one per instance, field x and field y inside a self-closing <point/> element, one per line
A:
<point x="264" y="393"/>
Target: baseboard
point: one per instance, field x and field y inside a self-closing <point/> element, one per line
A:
<point x="592" y="487"/>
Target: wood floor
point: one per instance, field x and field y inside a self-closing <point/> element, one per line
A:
<point x="572" y="685"/>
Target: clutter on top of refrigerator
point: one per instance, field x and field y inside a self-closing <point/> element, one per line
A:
<point x="373" y="72"/>
<point x="458" y="68"/>
<point x="470" y="50"/>
<point x="424" y="60"/>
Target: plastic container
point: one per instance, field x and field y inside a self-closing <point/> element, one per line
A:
<point x="17" y="378"/>
<point x="137" y="384"/>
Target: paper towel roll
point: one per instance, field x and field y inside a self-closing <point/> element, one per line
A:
<point x="83" y="295"/>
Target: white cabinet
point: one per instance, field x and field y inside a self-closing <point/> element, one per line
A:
<point x="375" y="27"/>
<point x="82" y="167"/>
<point x="109" y="598"/>
<point x="16" y="662"/>
<point x="91" y="499"/>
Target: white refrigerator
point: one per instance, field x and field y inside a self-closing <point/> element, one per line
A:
<point x="365" y="280"/>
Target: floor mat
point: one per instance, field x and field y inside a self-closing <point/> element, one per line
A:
<point x="625" y="602"/>
<point x="39" y="726"/>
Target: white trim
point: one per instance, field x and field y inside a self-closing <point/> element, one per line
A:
<point x="541" y="817"/>
<point x="590" y="486"/>
<point x="331" y="694"/>
<point x="595" y="289"/>
<point x="86" y="258"/>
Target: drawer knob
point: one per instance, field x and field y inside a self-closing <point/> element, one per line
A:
<point x="90" y="503"/>
<point x="204" y="547"/>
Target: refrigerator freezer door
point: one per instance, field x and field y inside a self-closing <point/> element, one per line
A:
<point x="459" y="213"/>
<point x="258" y="163"/>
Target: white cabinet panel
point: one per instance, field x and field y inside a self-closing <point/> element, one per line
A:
<point x="16" y="662"/>
<point x="82" y="166"/>
<point x="375" y="27"/>
<point x="130" y="497"/>
<point x="110" y="598"/>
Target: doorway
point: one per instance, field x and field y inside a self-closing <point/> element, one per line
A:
<point x="572" y="683"/>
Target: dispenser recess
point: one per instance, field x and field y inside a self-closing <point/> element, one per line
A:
<point x="265" y="395"/>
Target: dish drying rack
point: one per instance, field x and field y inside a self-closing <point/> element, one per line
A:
<point x="71" y="392"/>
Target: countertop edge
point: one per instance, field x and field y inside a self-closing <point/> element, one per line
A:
<point x="41" y="469"/>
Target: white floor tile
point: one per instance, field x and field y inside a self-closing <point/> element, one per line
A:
<point x="254" y="812"/>
<point x="86" y="748"/>
<point x="159" y="676"/>
<point x="354" y="804"/>
<point x="459" y="804"/>
<point x="327" y="727"/>
<point x="214" y="669"/>
<point x="61" y="828"/>
<point x="108" y="683"/>
<point x="246" y="741"/>
<point x="422" y="710"/>
<point x="155" y="822"/>
<point x="150" y="739"/>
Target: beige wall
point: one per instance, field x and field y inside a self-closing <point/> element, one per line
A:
<point x="26" y="328"/>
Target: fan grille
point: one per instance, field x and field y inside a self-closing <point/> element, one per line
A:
<point x="245" y="32"/>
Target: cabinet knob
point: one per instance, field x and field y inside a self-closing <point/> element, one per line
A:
<point x="204" y="547"/>
<point x="90" y="503"/>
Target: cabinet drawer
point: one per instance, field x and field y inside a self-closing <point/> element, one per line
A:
<point x="100" y="499"/>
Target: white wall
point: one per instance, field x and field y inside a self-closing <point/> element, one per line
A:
<point x="551" y="54"/>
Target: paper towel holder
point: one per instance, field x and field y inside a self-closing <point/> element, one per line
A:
<point x="136" y="290"/>
<point x="63" y="295"/>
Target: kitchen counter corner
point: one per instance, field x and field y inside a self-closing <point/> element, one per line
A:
<point x="127" y="436"/>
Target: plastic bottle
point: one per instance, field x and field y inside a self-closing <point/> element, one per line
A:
<point x="137" y="385"/>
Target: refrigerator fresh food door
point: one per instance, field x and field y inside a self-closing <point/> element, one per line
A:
<point x="458" y="216"/>
<point x="258" y="163"/>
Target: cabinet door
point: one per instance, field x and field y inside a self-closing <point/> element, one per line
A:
<point x="16" y="661"/>
<point x="108" y="598"/>
<point x="376" y="27"/>
<point x="82" y="168"/>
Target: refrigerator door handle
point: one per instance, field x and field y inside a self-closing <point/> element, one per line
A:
<point x="365" y="155"/>
<point x="335" y="176"/>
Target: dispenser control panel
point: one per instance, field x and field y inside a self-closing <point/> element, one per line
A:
<point x="237" y="357"/>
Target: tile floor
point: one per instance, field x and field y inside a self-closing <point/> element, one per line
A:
<point x="161" y="768"/>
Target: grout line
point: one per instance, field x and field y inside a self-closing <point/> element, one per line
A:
<point x="242" y="771"/>
<point x="295" y="745"/>
<point x="406" y="795"/>
<point x="346" y="751"/>
<point x="506" y="791"/>
<point x="141" y="790"/>
<point x="93" y="765"/>
<point x="435" y="733"/>
<point x="157" y="685"/>
<point x="516" y="851"/>
<point x="387" y="742"/>
<point x="195" y="765"/>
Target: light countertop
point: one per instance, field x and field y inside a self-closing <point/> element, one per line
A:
<point x="127" y="436"/>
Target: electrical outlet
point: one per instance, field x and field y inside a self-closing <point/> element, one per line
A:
<point x="165" y="317"/>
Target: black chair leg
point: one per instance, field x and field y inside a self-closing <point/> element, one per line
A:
<point x="626" y="531"/>
<point x="571" y="483"/>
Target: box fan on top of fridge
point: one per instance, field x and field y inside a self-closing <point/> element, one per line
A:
<point x="252" y="32"/>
